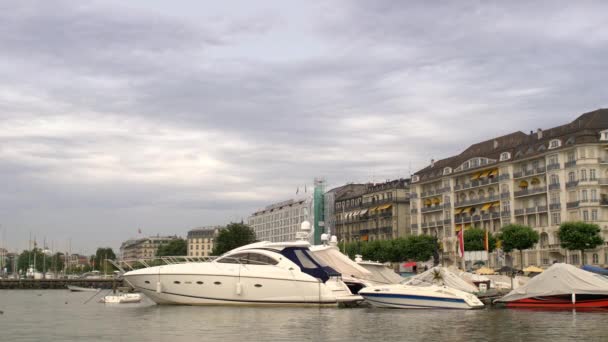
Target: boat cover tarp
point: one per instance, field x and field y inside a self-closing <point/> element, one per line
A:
<point x="560" y="279"/>
<point x="330" y="255"/>
<point x="595" y="269"/>
<point x="442" y="276"/>
<point x="381" y="274"/>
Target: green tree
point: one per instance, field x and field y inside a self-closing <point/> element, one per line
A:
<point x="579" y="236"/>
<point x="419" y="247"/>
<point x="173" y="248"/>
<point x="233" y="236"/>
<point x="474" y="240"/>
<point x="33" y="258"/>
<point x="100" y="261"/>
<point x="520" y="237"/>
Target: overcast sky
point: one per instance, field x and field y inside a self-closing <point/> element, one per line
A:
<point x="165" y="115"/>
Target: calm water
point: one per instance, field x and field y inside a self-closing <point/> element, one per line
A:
<point x="56" y="315"/>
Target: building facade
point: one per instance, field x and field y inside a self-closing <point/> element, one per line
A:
<point x="144" y="247"/>
<point x="330" y="203"/>
<point x="200" y="241"/>
<point x="540" y="179"/>
<point x="373" y="212"/>
<point x="281" y="221"/>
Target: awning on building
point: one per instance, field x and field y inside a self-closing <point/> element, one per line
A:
<point x="458" y="210"/>
<point x="363" y="212"/>
<point x="523" y="184"/>
<point x="485" y="173"/>
<point x="495" y="205"/>
<point x="486" y="206"/>
<point x="475" y="175"/>
<point x="493" y="173"/>
<point x="467" y="210"/>
<point x="436" y="200"/>
<point x="372" y="210"/>
<point x="428" y="202"/>
<point x="364" y="238"/>
<point x="384" y="207"/>
<point x="458" y="227"/>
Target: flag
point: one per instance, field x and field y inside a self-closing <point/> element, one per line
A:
<point x="297" y="190"/>
<point x="139" y="231"/>
<point x="487" y="242"/>
<point x="461" y="243"/>
<point x="304" y="187"/>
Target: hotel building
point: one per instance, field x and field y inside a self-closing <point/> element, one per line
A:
<point x="373" y="211"/>
<point x="200" y="241"/>
<point x="143" y="247"/>
<point x="280" y="221"/>
<point x="540" y="179"/>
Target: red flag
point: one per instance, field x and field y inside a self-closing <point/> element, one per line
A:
<point x="461" y="243"/>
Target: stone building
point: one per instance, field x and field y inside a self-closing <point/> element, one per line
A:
<point x="538" y="179"/>
<point x="280" y="222"/>
<point x="200" y="241"/>
<point x="143" y="247"/>
<point x="374" y="212"/>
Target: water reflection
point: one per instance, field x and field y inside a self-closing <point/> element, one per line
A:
<point x="29" y="317"/>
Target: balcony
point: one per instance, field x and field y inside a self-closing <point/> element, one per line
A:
<point x="571" y="205"/>
<point x="392" y="200"/>
<point x="571" y="184"/>
<point x="531" y="210"/>
<point x="519" y="212"/>
<point x="447" y="221"/>
<point x="569" y="164"/>
<point x="555" y="186"/>
<point x="551" y="167"/>
<point x="475" y="184"/>
<point x="527" y="173"/>
<point x="435" y="192"/>
<point x="414" y="211"/>
<point x="414" y="226"/>
<point x="458" y="220"/>
<point x="475" y="201"/>
<point x="505" y="214"/>
<point x="476" y="218"/>
<point x="413" y="195"/>
<point x="603" y="181"/>
<point x="555" y="206"/>
<point x="504" y="177"/>
<point x="604" y="201"/>
<point x="505" y="195"/>
<point x="431" y="209"/>
<point x="529" y="192"/>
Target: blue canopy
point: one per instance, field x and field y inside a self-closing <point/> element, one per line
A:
<point x="595" y="269"/>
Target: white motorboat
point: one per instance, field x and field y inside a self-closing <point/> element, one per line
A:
<point x="74" y="288"/>
<point x="123" y="298"/>
<point x="419" y="297"/>
<point x="262" y="273"/>
<point x="380" y="273"/>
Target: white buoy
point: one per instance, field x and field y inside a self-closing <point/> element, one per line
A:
<point x="239" y="289"/>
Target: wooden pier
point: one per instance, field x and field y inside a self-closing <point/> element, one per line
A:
<point x="57" y="284"/>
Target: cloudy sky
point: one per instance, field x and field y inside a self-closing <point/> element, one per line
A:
<point x="164" y="115"/>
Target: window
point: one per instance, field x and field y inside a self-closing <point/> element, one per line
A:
<point x="592" y="175"/>
<point x="594" y="215"/>
<point x="553" y="159"/>
<point x="583" y="175"/>
<point x="585" y="215"/>
<point x="447" y="170"/>
<point x="571" y="156"/>
<point x="594" y="195"/>
<point x="555" y="143"/>
<point x="571" y="177"/>
<point x="505" y="156"/>
<point x="584" y="197"/>
<point x="304" y="259"/>
<point x="554" y="197"/>
<point x="581" y="153"/>
<point x="596" y="258"/>
<point x="506" y="206"/>
<point x="554" y="179"/>
<point x="556" y="219"/>
<point x="415" y="178"/>
<point x="574" y="259"/>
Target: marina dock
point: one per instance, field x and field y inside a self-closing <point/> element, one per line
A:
<point x="57" y="284"/>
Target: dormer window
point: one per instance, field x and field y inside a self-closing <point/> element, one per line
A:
<point x="415" y="178"/>
<point x="604" y="135"/>
<point x="447" y="170"/>
<point x="555" y="143"/>
<point x="505" y="156"/>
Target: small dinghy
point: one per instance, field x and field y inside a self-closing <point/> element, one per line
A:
<point x="73" y="288"/>
<point x="122" y="298"/>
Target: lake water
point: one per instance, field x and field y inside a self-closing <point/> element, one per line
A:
<point x="57" y="315"/>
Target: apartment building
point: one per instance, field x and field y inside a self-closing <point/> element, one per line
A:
<point x="143" y="247"/>
<point x="281" y="221"/>
<point x="200" y="241"/>
<point x="374" y="212"/>
<point x="538" y="179"/>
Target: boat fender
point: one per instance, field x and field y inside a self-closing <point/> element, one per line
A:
<point x="159" y="288"/>
<point x="239" y="289"/>
<point x="573" y="298"/>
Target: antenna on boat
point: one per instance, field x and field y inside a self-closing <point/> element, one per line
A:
<point x="304" y="232"/>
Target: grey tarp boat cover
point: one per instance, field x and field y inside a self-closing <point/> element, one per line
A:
<point x="442" y="276"/>
<point x="332" y="256"/>
<point x="560" y="279"/>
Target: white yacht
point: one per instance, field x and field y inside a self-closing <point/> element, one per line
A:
<point x="419" y="297"/>
<point x="262" y="273"/>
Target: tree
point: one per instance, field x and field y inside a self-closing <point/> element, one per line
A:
<point x="101" y="256"/>
<point x="579" y="236"/>
<point x="419" y="247"/>
<point x="474" y="240"/>
<point x="515" y="236"/>
<point x="33" y="258"/>
<point x="233" y="236"/>
<point x="173" y="248"/>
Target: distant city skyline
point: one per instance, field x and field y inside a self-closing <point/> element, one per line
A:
<point x="166" y="116"/>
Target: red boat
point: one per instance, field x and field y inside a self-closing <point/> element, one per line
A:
<point x="561" y="302"/>
<point x="561" y="286"/>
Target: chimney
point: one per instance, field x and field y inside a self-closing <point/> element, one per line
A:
<point x="539" y="132"/>
<point x="432" y="162"/>
<point x="495" y="144"/>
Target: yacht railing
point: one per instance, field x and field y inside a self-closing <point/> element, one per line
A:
<point x="125" y="265"/>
